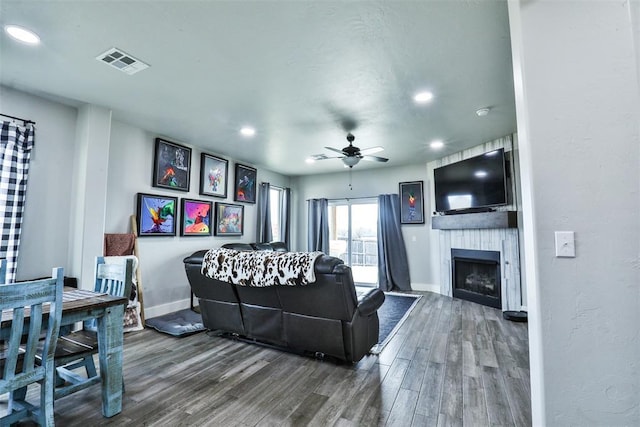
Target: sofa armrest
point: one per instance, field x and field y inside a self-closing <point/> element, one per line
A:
<point x="370" y="301"/>
<point x="195" y="258"/>
<point x="326" y="264"/>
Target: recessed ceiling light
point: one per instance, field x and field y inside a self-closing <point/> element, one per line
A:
<point x="22" y="34"/>
<point x="437" y="144"/>
<point x="423" y="97"/>
<point x="481" y="174"/>
<point x="247" y="131"/>
<point x="483" y="111"/>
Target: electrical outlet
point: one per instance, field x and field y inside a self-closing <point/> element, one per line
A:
<point x="565" y="244"/>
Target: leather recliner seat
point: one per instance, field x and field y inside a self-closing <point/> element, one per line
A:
<point x="329" y="316"/>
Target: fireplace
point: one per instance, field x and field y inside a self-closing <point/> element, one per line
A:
<point x="476" y="276"/>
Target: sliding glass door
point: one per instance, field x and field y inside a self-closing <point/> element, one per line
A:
<point x="353" y="237"/>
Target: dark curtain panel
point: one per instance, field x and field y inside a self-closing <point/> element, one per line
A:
<point x="318" y="233"/>
<point x="263" y="226"/>
<point x="285" y="219"/>
<point x="393" y="266"/>
<point x="16" y="143"/>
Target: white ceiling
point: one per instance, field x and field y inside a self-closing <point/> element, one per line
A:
<point x="301" y="72"/>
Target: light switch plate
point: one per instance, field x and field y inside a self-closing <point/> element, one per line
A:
<point x="565" y="244"/>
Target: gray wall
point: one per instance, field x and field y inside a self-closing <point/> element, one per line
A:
<point x="54" y="228"/>
<point x="371" y="183"/>
<point x="130" y="170"/>
<point x="47" y="218"/>
<point x="578" y="106"/>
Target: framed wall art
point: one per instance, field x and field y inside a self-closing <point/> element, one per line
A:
<point x="213" y="176"/>
<point x="411" y="202"/>
<point x="156" y="215"/>
<point x="245" y="184"/>
<point x="229" y="219"/>
<point x="195" y="217"/>
<point x="171" y="165"/>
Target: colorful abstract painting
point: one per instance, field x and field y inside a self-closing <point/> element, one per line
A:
<point x="156" y="215"/>
<point x="245" y="185"/>
<point x="213" y="176"/>
<point x="196" y="218"/>
<point x="411" y="203"/>
<point x="172" y="166"/>
<point x="229" y="219"/>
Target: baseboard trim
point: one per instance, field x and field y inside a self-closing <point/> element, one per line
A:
<point x="426" y="287"/>
<point x="159" y="310"/>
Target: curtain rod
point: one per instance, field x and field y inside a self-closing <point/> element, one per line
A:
<point x="26" y="121"/>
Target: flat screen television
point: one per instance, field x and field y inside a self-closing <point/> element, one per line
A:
<point x="475" y="184"/>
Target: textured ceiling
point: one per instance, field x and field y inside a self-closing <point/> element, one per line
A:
<point x="301" y="73"/>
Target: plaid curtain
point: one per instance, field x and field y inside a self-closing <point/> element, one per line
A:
<point x="16" y="143"/>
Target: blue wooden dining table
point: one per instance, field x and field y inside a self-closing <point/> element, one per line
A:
<point x="80" y="305"/>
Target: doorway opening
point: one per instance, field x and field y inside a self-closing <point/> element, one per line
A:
<point x="353" y="237"/>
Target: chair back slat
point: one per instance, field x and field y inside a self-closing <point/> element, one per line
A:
<point x="26" y="301"/>
<point x="114" y="278"/>
<point x="3" y="271"/>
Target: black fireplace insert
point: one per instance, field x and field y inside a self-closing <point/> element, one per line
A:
<point x="476" y="276"/>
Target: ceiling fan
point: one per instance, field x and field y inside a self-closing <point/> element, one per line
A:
<point x="351" y="154"/>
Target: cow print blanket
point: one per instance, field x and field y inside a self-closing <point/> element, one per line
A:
<point x="260" y="268"/>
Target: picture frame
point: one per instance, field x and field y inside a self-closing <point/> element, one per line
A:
<point x="412" y="202"/>
<point x="171" y="165"/>
<point x="245" y="185"/>
<point x="156" y="215"/>
<point x="229" y="219"/>
<point x="214" y="173"/>
<point x="196" y="217"/>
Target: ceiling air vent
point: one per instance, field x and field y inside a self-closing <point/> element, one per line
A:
<point x="122" y="61"/>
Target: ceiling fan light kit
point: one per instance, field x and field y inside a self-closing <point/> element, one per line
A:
<point x="351" y="161"/>
<point x="351" y="155"/>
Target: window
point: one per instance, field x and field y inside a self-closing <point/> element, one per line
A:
<point x="353" y="237"/>
<point x="275" y="211"/>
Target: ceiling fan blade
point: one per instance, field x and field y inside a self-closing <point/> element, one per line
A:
<point x="336" y="150"/>
<point x="317" y="157"/>
<point x="375" y="159"/>
<point x="371" y="150"/>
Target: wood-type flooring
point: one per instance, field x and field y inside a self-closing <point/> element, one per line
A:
<point x="452" y="363"/>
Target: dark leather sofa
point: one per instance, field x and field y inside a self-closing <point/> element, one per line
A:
<point x="327" y="317"/>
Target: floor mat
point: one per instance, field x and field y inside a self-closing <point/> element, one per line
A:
<point x="392" y="314"/>
<point x="179" y="324"/>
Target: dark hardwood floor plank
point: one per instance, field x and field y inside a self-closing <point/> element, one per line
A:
<point x="496" y="395"/>
<point x="474" y="411"/>
<point x="451" y="363"/>
<point x="417" y="368"/>
<point x="367" y="393"/>
<point x="431" y="391"/>
<point x="403" y="408"/>
<point x="519" y="401"/>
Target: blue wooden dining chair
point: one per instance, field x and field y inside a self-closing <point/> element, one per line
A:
<point x="18" y="367"/>
<point x="76" y="350"/>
